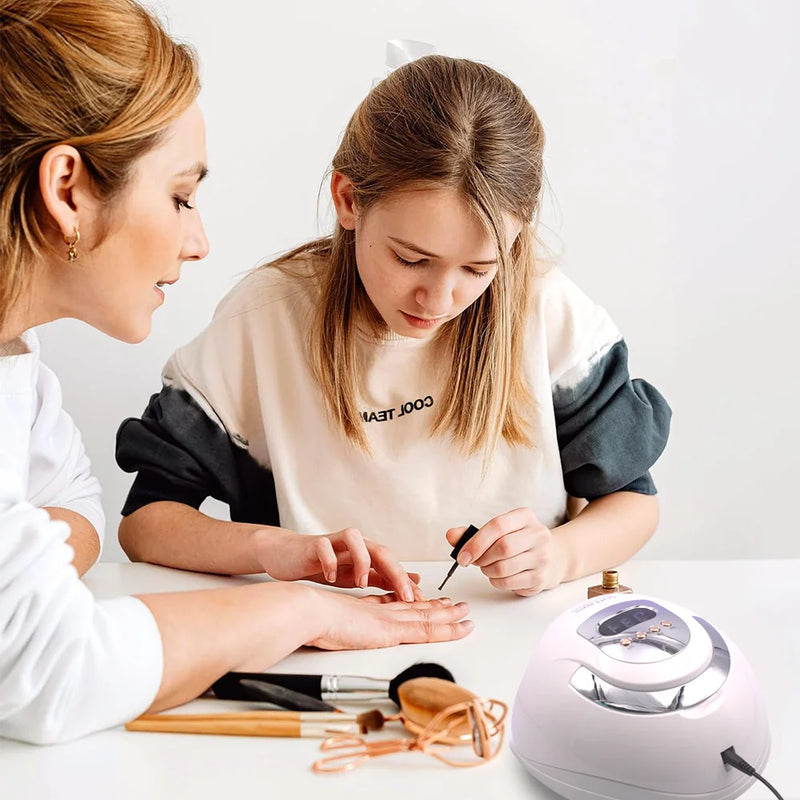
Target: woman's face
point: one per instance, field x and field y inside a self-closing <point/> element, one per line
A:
<point x="154" y="228"/>
<point x="423" y="258"/>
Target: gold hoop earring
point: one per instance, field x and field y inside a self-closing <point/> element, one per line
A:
<point x="72" y="244"/>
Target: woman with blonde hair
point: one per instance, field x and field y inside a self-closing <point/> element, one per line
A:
<point x="102" y="148"/>
<point x="412" y="373"/>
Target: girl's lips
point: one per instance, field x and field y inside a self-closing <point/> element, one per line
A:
<point x="420" y="322"/>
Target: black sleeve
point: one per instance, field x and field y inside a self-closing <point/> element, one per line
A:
<point x="183" y="455"/>
<point x="610" y="429"/>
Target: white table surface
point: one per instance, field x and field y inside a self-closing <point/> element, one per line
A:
<point x="752" y="602"/>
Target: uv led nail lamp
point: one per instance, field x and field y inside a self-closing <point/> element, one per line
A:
<point x="632" y="698"/>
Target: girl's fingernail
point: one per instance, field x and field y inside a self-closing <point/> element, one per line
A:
<point x="363" y="582"/>
<point x="445" y="601"/>
<point x="408" y="595"/>
<point x="464" y="558"/>
<point x="331" y="576"/>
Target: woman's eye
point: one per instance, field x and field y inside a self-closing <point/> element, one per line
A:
<point x="180" y="203"/>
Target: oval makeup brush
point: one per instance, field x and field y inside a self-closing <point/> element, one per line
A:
<point x="347" y="688"/>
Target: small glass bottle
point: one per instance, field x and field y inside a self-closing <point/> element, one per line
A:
<point x="610" y="585"/>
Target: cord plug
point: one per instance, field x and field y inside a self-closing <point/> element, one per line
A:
<point x="733" y="759"/>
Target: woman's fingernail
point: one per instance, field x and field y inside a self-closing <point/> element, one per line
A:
<point x="464" y="558"/>
<point x="408" y="595"/>
<point x="331" y="576"/>
<point x="363" y="582"/>
<point x="445" y="601"/>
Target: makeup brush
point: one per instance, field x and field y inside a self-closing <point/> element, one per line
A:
<point x="263" y="692"/>
<point x="320" y="724"/>
<point x="347" y="688"/>
<point x="465" y="537"/>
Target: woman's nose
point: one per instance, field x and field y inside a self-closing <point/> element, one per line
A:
<point x="195" y="246"/>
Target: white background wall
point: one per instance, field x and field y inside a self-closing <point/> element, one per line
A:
<point x="672" y="157"/>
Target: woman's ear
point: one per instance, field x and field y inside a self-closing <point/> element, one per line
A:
<point x="65" y="188"/>
<point x="343" y="200"/>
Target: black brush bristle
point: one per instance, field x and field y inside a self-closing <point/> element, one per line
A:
<point x="423" y="670"/>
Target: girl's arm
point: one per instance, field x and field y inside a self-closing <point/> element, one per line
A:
<point x="518" y="553"/>
<point x="177" y="535"/>
<point x="83" y="538"/>
<point x="607" y="532"/>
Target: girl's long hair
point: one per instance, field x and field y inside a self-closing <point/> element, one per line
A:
<point x="439" y="122"/>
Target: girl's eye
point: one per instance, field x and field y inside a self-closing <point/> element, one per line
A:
<point x="181" y="203"/>
<point x="477" y="273"/>
<point x="406" y="263"/>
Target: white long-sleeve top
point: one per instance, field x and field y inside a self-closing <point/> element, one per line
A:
<point x="68" y="665"/>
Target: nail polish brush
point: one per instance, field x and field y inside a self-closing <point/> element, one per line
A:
<point x="465" y="537"/>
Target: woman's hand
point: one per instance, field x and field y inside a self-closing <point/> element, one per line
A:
<point x="516" y="552"/>
<point x="344" y="558"/>
<point x="351" y="623"/>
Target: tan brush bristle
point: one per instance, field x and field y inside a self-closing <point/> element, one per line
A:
<point x="371" y="720"/>
<point x="423" y="698"/>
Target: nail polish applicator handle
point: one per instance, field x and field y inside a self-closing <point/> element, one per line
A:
<point x="465" y="537"/>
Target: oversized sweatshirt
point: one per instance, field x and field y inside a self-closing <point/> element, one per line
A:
<point x="241" y="418"/>
<point x="68" y="665"/>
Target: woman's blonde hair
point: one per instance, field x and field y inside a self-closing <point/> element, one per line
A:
<point x="440" y="122"/>
<point x="100" y="75"/>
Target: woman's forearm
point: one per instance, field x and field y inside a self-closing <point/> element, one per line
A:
<point x="607" y="532"/>
<point x="177" y="535"/>
<point x="207" y="633"/>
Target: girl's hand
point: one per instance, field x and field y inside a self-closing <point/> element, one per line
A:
<point x="344" y="558"/>
<point x="351" y="623"/>
<point x="516" y="552"/>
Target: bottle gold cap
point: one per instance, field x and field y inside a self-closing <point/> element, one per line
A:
<point x="610" y="579"/>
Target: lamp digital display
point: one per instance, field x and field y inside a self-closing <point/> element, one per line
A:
<point x="624" y="620"/>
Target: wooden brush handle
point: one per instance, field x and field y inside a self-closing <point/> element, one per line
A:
<point x="232" y="715"/>
<point x="225" y="727"/>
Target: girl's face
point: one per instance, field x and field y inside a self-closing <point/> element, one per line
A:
<point x="154" y="228"/>
<point x="423" y="258"/>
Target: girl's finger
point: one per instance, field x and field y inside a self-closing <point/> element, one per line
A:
<point x="325" y="555"/>
<point x="529" y="580"/>
<point x="454" y="534"/>
<point x="494" y="530"/>
<point x="512" y="544"/>
<point x="384" y="561"/>
<point x="359" y="554"/>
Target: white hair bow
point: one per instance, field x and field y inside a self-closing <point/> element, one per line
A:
<point x="403" y="51"/>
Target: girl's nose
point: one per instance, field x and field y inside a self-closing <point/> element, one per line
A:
<point x="435" y="297"/>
